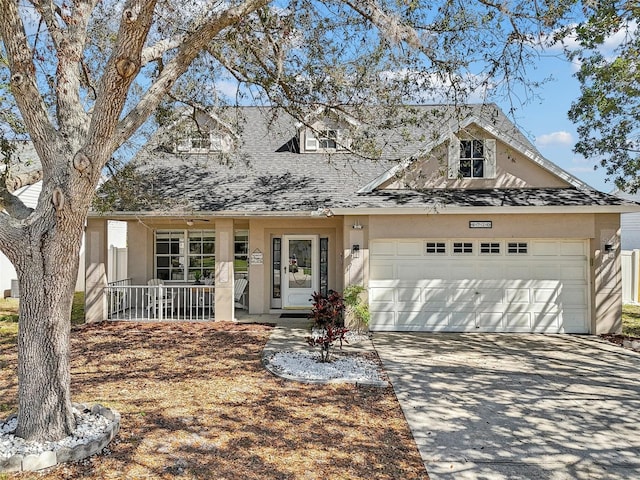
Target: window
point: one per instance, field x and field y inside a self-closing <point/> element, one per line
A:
<point x="202" y="254"/>
<point x="241" y="253"/>
<point x="472" y="158"/>
<point x="515" y="248"/>
<point x="490" y="247"/>
<point x="462" y="247"/>
<point x="199" y="142"/>
<point x="275" y="274"/>
<point x="436" y="248"/>
<point x="172" y="254"/>
<point x="328" y="138"/>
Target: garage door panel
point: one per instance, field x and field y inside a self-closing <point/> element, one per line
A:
<point x="409" y="271"/>
<point x="381" y="294"/>
<point x="543" y="289"/>
<point x="518" y="321"/>
<point x="490" y="295"/>
<point x="432" y="296"/>
<point x="463" y="320"/>
<point x="518" y="295"/>
<point x="572" y="249"/>
<point x="406" y="294"/>
<point x="382" y="271"/>
<point x="547" y="322"/>
<point x="545" y="295"/>
<point x="489" y="321"/>
<point x="383" y="248"/>
<point x="410" y="248"/>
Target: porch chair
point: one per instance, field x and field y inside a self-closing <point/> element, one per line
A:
<point x="154" y="301"/>
<point x="239" y="292"/>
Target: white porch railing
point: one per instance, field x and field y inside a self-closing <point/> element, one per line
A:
<point x="160" y="302"/>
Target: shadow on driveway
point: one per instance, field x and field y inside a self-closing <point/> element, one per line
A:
<point x="501" y="406"/>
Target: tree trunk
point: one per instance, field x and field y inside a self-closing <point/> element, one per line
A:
<point x="47" y="271"/>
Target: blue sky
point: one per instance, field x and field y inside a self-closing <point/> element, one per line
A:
<point x="546" y="124"/>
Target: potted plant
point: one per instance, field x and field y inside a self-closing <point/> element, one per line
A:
<point x="197" y="275"/>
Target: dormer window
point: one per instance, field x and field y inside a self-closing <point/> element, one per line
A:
<point x="200" y="142"/>
<point x="472" y="158"/>
<point x="326" y="140"/>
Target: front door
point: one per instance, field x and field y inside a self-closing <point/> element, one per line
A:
<point x="300" y="265"/>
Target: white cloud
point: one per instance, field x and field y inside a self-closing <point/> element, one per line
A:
<point x="560" y="138"/>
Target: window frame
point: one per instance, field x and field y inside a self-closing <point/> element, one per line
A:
<point x="490" y="245"/>
<point x="439" y="248"/>
<point x="464" y="245"/>
<point x="472" y="159"/>
<point x="184" y="255"/>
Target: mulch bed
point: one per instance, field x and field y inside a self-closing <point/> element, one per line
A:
<point x="196" y="403"/>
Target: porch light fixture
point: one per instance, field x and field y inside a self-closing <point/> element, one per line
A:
<point x="608" y="247"/>
<point x="355" y="251"/>
<point x="356" y="225"/>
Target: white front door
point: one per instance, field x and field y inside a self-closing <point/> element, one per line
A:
<point x="300" y="267"/>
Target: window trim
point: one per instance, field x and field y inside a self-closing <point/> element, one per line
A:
<point x="185" y="255"/>
<point x="463" y="246"/>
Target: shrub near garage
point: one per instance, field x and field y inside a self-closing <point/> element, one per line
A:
<point x="328" y="322"/>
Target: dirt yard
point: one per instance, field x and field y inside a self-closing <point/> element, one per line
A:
<point x="196" y="403"/>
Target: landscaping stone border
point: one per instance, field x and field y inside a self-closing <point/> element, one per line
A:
<point x="51" y="458"/>
<point x="358" y="383"/>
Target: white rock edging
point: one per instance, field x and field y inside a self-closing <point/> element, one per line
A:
<point x="97" y="426"/>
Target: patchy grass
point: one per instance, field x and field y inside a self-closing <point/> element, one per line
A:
<point x="9" y="309"/>
<point x="631" y="320"/>
<point x="197" y="403"/>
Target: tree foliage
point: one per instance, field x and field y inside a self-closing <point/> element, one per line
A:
<point x="607" y="112"/>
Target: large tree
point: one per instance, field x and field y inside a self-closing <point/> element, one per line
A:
<point x="84" y="77"/>
<point x="607" y="112"/>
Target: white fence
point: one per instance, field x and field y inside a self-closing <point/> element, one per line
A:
<point x="159" y="302"/>
<point x="630" y="276"/>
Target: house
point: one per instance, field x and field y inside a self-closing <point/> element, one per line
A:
<point x="449" y="217"/>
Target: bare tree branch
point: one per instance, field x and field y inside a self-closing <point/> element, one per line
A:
<point x="190" y="48"/>
<point x="23" y="81"/>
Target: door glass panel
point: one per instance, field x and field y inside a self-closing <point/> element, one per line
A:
<point x="300" y="264"/>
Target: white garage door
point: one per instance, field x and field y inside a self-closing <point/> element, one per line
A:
<point x="477" y="285"/>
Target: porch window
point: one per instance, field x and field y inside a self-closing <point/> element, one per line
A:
<point x="202" y="254"/>
<point x="241" y="253"/>
<point x="179" y="254"/>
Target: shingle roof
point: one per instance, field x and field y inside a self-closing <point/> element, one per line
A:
<point x="266" y="174"/>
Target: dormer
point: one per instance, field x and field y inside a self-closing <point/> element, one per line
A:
<point x="202" y="135"/>
<point x="326" y="131"/>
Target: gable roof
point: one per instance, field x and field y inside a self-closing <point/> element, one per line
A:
<point x="500" y="128"/>
<point x="266" y="175"/>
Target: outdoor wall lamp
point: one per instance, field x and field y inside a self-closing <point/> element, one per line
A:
<point x="355" y="251"/>
<point x="608" y="247"/>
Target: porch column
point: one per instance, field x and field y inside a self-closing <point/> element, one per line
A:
<point x="96" y="252"/>
<point x="224" y="270"/>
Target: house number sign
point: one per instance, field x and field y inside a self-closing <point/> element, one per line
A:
<point x="480" y="224"/>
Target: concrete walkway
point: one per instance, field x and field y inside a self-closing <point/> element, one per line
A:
<point x="486" y="406"/>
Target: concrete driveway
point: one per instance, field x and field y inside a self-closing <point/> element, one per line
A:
<point x="488" y="406"/>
